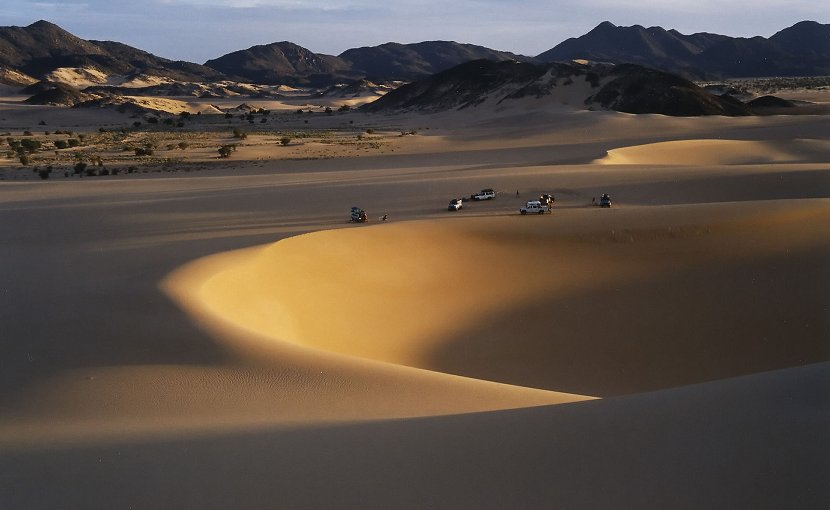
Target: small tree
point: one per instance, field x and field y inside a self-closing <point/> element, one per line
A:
<point x="225" y="151"/>
<point x="79" y="168"/>
<point x="285" y="140"/>
<point x="30" y="145"/>
<point x="61" y="144"/>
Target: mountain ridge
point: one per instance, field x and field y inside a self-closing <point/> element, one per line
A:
<point x="800" y="50"/>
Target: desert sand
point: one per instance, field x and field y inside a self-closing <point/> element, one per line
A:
<point x="226" y="339"/>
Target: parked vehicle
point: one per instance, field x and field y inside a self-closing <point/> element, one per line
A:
<point x="605" y="200"/>
<point x="534" y="206"/>
<point x="455" y="204"/>
<point x="485" y="194"/>
<point x="359" y="215"/>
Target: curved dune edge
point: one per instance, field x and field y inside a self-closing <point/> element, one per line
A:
<point x="702" y="152"/>
<point x="425" y="294"/>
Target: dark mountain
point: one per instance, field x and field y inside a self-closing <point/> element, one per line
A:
<point x="637" y="89"/>
<point x="653" y="47"/>
<point x="393" y="61"/>
<point x="801" y="50"/>
<point x="628" y="88"/>
<point x="462" y="86"/>
<point x="282" y="63"/>
<point x="43" y="47"/>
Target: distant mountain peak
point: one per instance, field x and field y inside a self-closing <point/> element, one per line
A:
<point x="803" y="49"/>
<point x="41" y="23"/>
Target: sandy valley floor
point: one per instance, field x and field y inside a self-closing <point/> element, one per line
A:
<point x="226" y="339"/>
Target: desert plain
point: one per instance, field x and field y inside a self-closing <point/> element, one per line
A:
<point x="206" y="332"/>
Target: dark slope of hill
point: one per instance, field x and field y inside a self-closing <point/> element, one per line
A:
<point x="282" y="63"/>
<point x="40" y="40"/>
<point x="770" y="102"/>
<point x="59" y="94"/>
<point x="465" y="85"/>
<point x="147" y="63"/>
<point x="635" y="89"/>
<point x="43" y="47"/>
<point x="394" y="61"/>
<point x="627" y="88"/>
<point x="803" y="49"/>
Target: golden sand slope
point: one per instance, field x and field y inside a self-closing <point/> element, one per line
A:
<point x="720" y="152"/>
<point x="609" y="302"/>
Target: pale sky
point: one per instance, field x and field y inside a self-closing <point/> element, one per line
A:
<point x="198" y="30"/>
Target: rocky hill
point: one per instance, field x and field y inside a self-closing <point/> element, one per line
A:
<point x="394" y="61"/>
<point x="800" y="50"/>
<point x="43" y="47"/>
<point x="283" y="63"/>
<point x="626" y="88"/>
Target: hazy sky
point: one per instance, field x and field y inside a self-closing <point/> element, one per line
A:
<point x="198" y="30"/>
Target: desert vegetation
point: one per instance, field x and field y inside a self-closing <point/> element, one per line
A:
<point x="162" y="142"/>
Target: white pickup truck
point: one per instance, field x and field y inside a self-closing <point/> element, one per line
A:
<point x="485" y="194"/>
<point x="534" y="206"/>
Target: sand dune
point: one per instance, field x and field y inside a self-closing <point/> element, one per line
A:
<point x="225" y="339"/>
<point x="720" y="152"/>
<point x="427" y="295"/>
<point x="80" y="77"/>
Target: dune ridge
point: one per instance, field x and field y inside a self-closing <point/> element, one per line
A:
<point x="703" y="152"/>
<point x="403" y="293"/>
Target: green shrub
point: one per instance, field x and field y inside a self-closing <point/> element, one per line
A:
<point x="226" y="150"/>
<point x="30" y="145"/>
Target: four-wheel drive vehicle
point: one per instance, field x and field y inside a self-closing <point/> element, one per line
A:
<point x="485" y="194"/>
<point x="359" y="215"/>
<point x="455" y="204"/>
<point x="605" y="200"/>
<point x="534" y="206"/>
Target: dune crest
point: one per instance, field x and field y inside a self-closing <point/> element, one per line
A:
<point x="424" y="294"/>
<point x="719" y="152"/>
